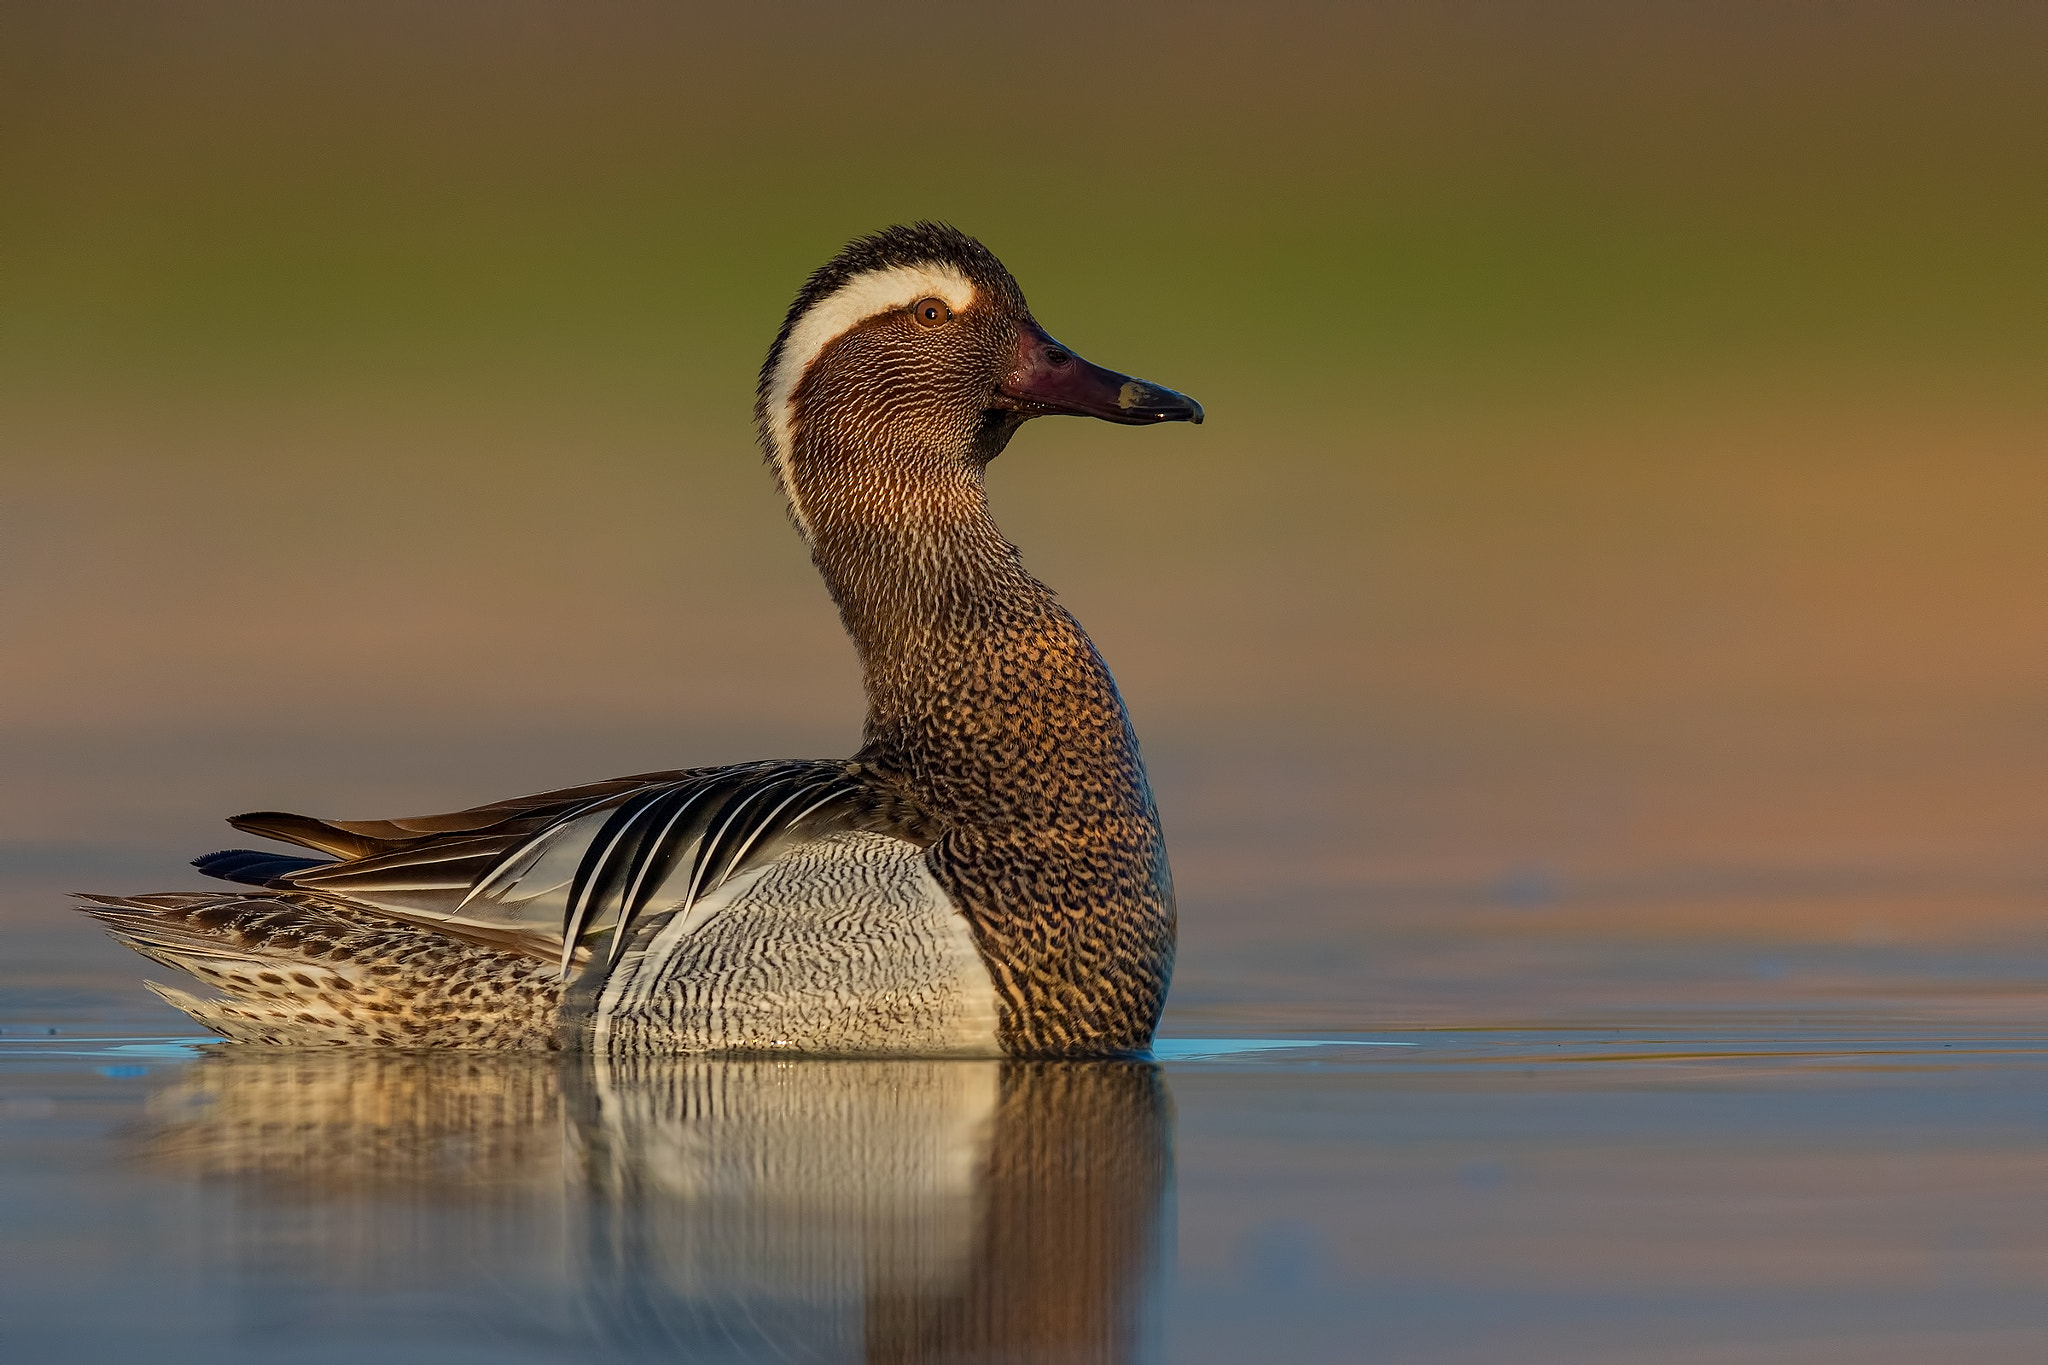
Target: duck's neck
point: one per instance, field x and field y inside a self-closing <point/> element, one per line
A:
<point x="984" y="695"/>
<point x="992" y="716"/>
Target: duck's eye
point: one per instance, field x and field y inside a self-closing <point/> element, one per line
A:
<point x="931" y="312"/>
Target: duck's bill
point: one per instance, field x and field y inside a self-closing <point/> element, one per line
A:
<point x="1049" y="379"/>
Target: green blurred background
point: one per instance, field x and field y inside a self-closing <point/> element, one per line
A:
<point x="1613" y="569"/>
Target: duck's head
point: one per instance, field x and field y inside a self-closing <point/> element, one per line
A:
<point x="910" y="359"/>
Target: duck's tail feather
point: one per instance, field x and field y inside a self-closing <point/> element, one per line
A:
<point x="291" y="969"/>
<point x="253" y="867"/>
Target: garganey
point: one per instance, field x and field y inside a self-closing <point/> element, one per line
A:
<point x="986" y="876"/>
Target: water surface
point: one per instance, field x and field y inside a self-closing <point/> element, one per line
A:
<point x="1756" y="1194"/>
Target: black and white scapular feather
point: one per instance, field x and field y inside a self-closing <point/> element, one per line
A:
<point x="985" y="876"/>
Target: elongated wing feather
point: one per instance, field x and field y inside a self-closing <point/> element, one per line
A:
<point x="564" y="874"/>
<point x="366" y="838"/>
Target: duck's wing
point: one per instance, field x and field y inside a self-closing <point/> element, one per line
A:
<point x="563" y="874"/>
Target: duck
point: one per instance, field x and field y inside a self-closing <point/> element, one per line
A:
<point x="986" y="876"/>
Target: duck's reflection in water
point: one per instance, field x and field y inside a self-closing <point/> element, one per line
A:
<point x="715" y="1209"/>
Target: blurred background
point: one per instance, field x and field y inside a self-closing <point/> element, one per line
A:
<point x="1612" y="576"/>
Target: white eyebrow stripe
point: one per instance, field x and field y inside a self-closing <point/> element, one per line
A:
<point x="845" y="308"/>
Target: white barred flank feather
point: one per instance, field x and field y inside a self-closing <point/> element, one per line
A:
<point x="843" y="945"/>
